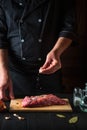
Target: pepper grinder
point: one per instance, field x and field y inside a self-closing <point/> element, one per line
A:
<point x="83" y="103"/>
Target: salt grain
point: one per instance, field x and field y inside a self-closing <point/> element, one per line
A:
<point x="15" y="115"/>
<point x="20" y="118"/>
<point x="7" y="117"/>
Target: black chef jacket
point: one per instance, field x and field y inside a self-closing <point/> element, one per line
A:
<point x="30" y="28"/>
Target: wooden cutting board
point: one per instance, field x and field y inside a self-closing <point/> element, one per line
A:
<point x="15" y="105"/>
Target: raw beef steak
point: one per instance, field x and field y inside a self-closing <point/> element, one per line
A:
<point x="42" y="100"/>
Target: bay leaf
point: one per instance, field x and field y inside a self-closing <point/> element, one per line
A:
<point x="60" y="115"/>
<point x="73" y="120"/>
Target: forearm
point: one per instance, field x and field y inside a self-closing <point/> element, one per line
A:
<point x="61" y="45"/>
<point x="5" y="81"/>
<point x="3" y="59"/>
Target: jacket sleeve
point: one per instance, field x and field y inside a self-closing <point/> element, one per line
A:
<point x="3" y="30"/>
<point x="69" y="23"/>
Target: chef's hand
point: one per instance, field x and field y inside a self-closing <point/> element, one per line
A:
<point x="52" y="63"/>
<point x="5" y="84"/>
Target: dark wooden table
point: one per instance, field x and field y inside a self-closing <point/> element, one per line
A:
<point x="44" y="120"/>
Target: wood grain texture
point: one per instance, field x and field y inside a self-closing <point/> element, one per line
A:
<point x="15" y="105"/>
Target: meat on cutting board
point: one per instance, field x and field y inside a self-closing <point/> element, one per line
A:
<point x="42" y="100"/>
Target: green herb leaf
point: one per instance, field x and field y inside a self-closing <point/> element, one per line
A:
<point x="73" y="120"/>
<point x="60" y="116"/>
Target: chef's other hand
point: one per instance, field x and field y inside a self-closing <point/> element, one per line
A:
<point x="52" y="63"/>
<point x="5" y="84"/>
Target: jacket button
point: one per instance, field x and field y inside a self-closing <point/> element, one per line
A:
<point x="39" y="59"/>
<point x="39" y="20"/>
<point x="20" y="4"/>
<point x="23" y="58"/>
<point x="39" y="40"/>
<point x="22" y="40"/>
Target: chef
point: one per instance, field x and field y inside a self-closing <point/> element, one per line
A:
<point x="33" y="36"/>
